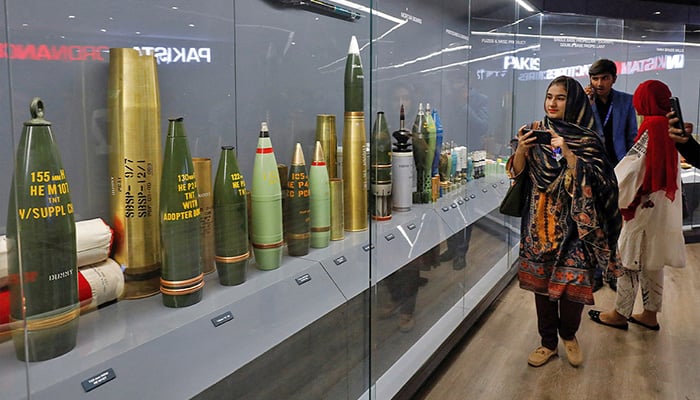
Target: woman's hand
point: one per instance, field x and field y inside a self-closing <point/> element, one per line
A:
<point x="525" y="142"/>
<point x="678" y="135"/>
<point x="558" y="142"/>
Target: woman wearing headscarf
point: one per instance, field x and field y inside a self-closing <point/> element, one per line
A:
<point x="651" y="203"/>
<point x="570" y="220"/>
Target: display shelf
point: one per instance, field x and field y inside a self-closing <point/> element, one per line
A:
<point x="266" y="309"/>
<point x="143" y="344"/>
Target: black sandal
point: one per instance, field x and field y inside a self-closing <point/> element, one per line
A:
<point x="595" y="317"/>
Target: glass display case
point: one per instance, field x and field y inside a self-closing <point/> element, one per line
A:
<point x="367" y="315"/>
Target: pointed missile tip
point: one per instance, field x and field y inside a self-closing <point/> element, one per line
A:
<point x="264" y="132"/>
<point x="354" y="48"/>
<point x="298" y="157"/>
<point x="318" y="152"/>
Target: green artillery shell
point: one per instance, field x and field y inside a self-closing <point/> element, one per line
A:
<point x="423" y="157"/>
<point x="266" y="205"/>
<point x="320" y="200"/>
<point x="230" y="220"/>
<point x="380" y="170"/>
<point x="43" y="272"/>
<point x="298" y="218"/>
<point x="182" y="279"/>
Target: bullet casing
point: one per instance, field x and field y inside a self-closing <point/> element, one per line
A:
<point x="297" y="224"/>
<point x="202" y="172"/>
<point x="230" y="220"/>
<point x="319" y="186"/>
<point x="266" y="204"/>
<point x="326" y="134"/>
<point x="182" y="278"/>
<point x="41" y="246"/>
<point x="135" y="158"/>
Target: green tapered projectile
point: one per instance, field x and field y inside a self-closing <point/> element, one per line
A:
<point x="182" y="278"/>
<point x="266" y="205"/>
<point x="319" y="186"/>
<point x="298" y="212"/>
<point x="230" y="220"/>
<point x="41" y="246"/>
<point x="380" y="170"/>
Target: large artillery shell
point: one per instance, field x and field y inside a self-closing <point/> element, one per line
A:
<point x="230" y="220"/>
<point x="266" y="204"/>
<point x="202" y="173"/>
<point x="182" y="279"/>
<point x="133" y="105"/>
<point x="41" y="247"/>
<point x="298" y="219"/>
<point x="320" y="200"/>
<point x="337" y="228"/>
<point x="354" y="139"/>
<point x="325" y="133"/>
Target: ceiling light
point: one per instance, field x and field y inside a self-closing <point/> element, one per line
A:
<point x="657" y="12"/>
<point x="525" y="5"/>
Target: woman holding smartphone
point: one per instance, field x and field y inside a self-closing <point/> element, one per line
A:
<point x="571" y="221"/>
<point x="651" y="203"/>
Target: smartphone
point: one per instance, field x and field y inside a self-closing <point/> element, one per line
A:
<point x="676" y="108"/>
<point x="543" y="137"/>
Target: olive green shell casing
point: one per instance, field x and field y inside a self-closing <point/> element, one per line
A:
<point x="232" y="251"/>
<point x="266" y="204"/>
<point x="320" y="200"/>
<point x="43" y="272"/>
<point x="298" y="214"/>
<point x="380" y="170"/>
<point x="182" y="279"/>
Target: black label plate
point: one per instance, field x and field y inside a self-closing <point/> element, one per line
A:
<point x="222" y="319"/>
<point x="98" y="380"/>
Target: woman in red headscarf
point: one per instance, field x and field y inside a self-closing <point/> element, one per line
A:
<point x="650" y="201"/>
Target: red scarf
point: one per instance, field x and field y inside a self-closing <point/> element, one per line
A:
<point x="651" y="100"/>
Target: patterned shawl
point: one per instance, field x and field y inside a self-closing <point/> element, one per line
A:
<point x="594" y="207"/>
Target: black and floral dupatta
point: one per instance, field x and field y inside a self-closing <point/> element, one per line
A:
<point x="594" y="206"/>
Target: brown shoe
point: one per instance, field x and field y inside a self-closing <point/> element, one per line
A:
<point x="573" y="352"/>
<point x="540" y="356"/>
<point x="406" y="322"/>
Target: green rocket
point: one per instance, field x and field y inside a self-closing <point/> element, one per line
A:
<point x="380" y="170"/>
<point x="230" y="220"/>
<point x="298" y="214"/>
<point x="266" y="205"/>
<point x="319" y="186"/>
<point x="182" y="279"/>
<point x="43" y="272"/>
